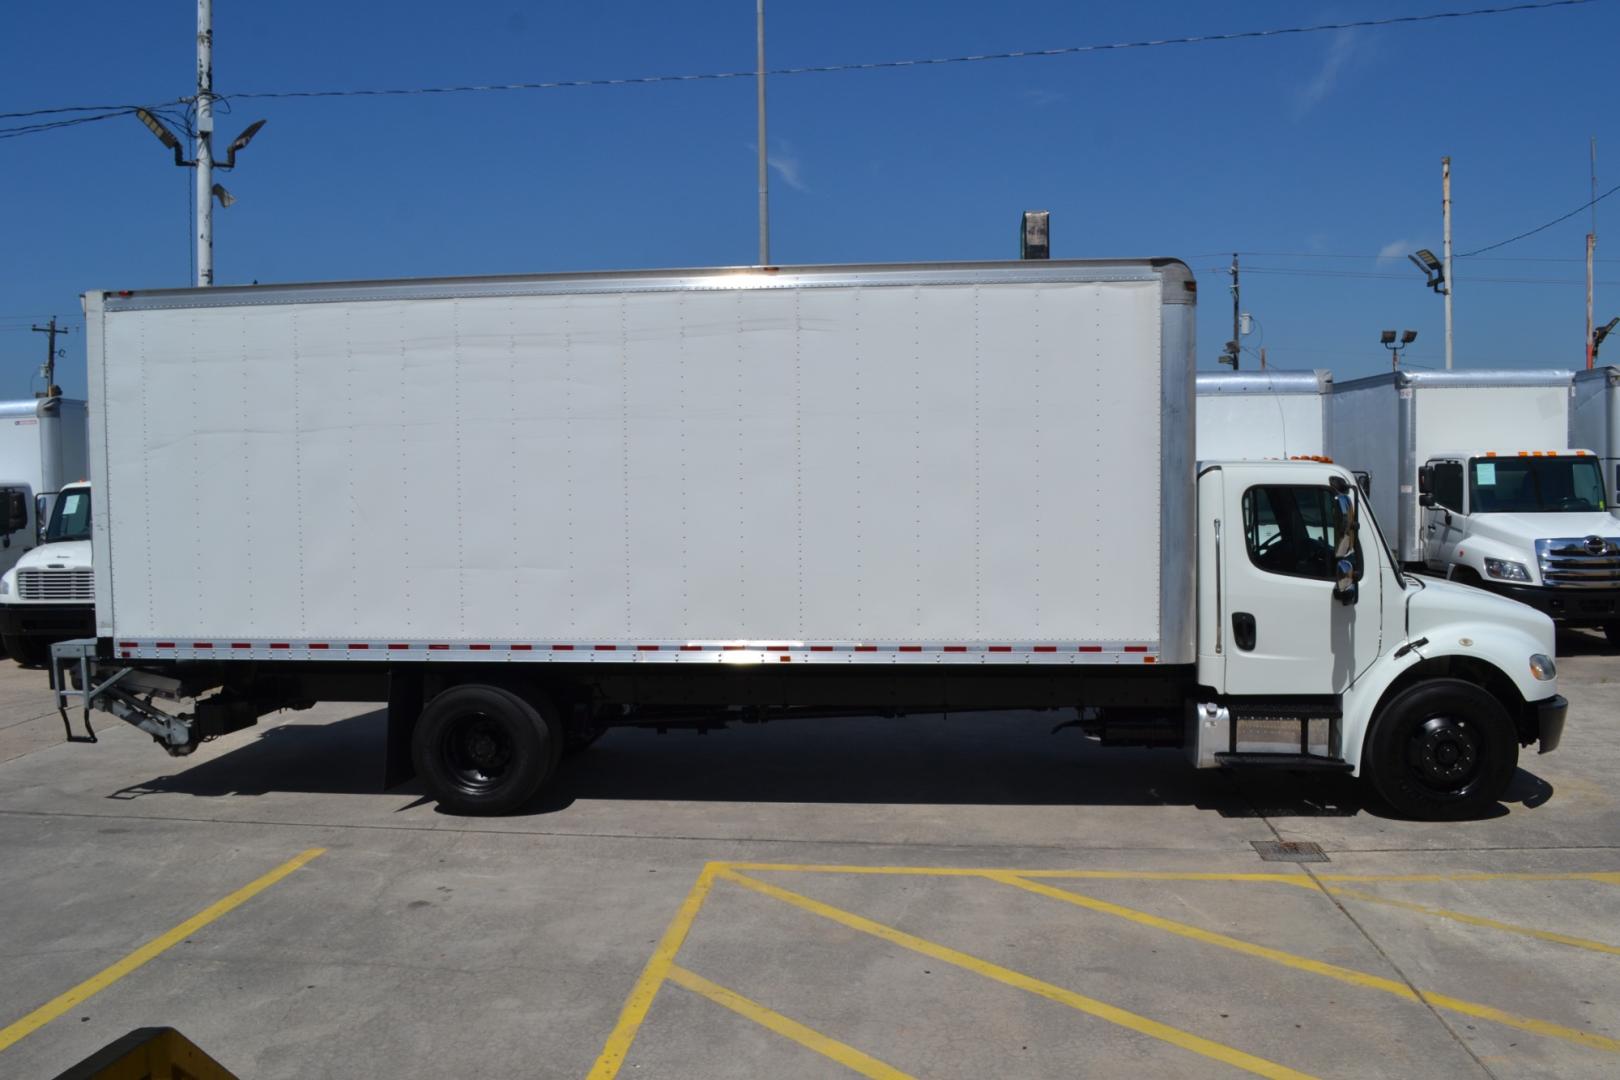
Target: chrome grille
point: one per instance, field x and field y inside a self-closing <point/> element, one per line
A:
<point x="1579" y="562"/>
<point x="56" y="585"/>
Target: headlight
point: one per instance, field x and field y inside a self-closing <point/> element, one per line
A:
<point x="1506" y="571"/>
<point x="1542" y="667"/>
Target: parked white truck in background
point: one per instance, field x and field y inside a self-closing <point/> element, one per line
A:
<point x="43" y="448"/>
<point x="1594" y="423"/>
<point x="49" y="595"/>
<point x="678" y="498"/>
<point x="1252" y="415"/>
<point x="1522" y="514"/>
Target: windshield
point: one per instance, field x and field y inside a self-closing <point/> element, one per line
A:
<point x="1535" y="485"/>
<point x="70" y="517"/>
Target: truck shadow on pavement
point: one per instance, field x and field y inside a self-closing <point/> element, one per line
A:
<point x="1010" y="759"/>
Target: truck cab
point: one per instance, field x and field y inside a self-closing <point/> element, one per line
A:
<point x="1532" y="525"/>
<point x="1321" y="652"/>
<point x="50" y="594"/>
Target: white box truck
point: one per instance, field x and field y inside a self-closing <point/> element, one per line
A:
<point x="1594" y="423"/>
<point x="1254" y="415"/>
<point x="1484" y="487"/>
<point x="522" y="508"/>
<point x="45" y="590"/>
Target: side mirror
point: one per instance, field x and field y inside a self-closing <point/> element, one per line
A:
<point x="1425" y="480"/>
<point x="1426" y="498"/>
<point x="1364" y="482"/>
<point x="15" y="503"/>
<point x="42" y="514"/>
<point x="1345" y="589"/>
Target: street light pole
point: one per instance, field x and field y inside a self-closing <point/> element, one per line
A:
<point x="205" y="143"/>
<point x="1445" y="213"/>
<point x="764" y="176"/>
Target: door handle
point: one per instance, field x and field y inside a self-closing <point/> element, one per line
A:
<point x="1243" y="630"/>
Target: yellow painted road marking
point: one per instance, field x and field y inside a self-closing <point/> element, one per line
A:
<point x="827" y="1047"/>
<point x="1316" y="967"/>
<point x="1091" y="1006"/>
<point x="1607" y="877"/>
<point x="652" y="977"/>
<point x="1478" y="920"/>
<point x="99" y="982"/>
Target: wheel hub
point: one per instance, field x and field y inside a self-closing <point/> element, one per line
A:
<point x="1446" y="751"/>
<point x="479" y="751"/>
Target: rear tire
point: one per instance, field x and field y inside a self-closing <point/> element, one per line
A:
<point x="27" y="651"/>
<point x="1443" y="750"/>
<point x="485" y="750"/>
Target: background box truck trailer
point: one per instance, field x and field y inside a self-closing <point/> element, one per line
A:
<point x="1594" y="423"/>
<point x="521" y="508"/>
<point x="44" y="445"/>
<point x="1250" y="415"/>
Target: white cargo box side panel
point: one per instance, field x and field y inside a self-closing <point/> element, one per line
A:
<point x="942" y="462"/>
<point x="1251" y="426"/>
<point x="1501" y="418"/>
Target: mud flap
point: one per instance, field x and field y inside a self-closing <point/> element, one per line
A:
<point x="405" y="701"/>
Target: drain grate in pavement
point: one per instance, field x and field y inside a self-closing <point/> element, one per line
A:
<point x="1289" y="851"/>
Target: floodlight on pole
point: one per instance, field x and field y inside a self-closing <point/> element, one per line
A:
<point x="1432" y="268"/>
<point x="164" y="135"/>
<point x="1602" y="332"/>
<point x="237" y="144"/>
<point x="1396" y="344"/>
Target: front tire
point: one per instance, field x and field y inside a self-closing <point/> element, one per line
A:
<point x="1443" y="750"/>
<point x="485" y="750"/>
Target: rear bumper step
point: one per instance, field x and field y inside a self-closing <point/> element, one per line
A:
<point x="1284" y="761"/>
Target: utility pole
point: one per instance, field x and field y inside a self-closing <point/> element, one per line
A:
<point x="1591" y="249"/>
<point x="1445" y="214"/>
<point x="205" y="142"/>
<point x="764" y="186"/>
<point x="51" y="389"/>
<point x="1262" y="358"/>
<point x="1235" y="346"/>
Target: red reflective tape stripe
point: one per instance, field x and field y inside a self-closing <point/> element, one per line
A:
<point x="241" y="645"/>
<point x="729" y="648"/>
<point x="202" y="644"/>
<point x="956" y="648"/>
<point x="821" y="648"/>
<point x="317" y="645"/>
<point x="1136" y="648"/>
<point x="1001" y="648"/>
<point x="129" y="644"/>
<point x="163" y="645"/>
<point x="606" y="648"/>
<point x="398" y="646"/>
<point x="126" y="654"/>
<point x="691" y="648"/>
<point x="1046" y="648"/>
<point x="438" y="648"/>
<point x="776" y="648"/>
<point x="911" y="648"/>
<point x="280" y="645"/>
<point x="359" y="645"/>
<point x="479" y="648"/>
<point x="866" y="648"/>
<point x="1091" y="648"/>
<point x="519" y="648"/>
<point x="562" y="648"/>
<point x="646" y="648"/>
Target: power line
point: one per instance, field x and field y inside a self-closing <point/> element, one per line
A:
<point x="1021" y="54"/>
<point x="1379" y="255"/>
<point x="1540" y="228"/>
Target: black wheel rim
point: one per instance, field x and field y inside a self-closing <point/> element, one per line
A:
<point x="478" y="750"/>
<point x="1446" y="754"/>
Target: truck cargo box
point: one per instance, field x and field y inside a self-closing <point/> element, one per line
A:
<point x="879" y="464"/>
<point x="1250" y="415"/>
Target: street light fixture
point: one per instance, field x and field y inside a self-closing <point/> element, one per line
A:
<point x="1397" y="345"/>
<point x="1432" y="268"/>
<point x="1600" y="333"/>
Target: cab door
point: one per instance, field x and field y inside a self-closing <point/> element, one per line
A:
<point x="1284" y="630"/>
<point x="1443" y="517"/>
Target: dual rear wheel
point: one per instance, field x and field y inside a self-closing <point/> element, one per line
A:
<point x="484" y="749"/>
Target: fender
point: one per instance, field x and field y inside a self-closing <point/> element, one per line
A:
<point x="1458" y="631"/>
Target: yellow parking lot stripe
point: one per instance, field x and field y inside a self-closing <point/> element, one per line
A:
<point x="1091" y="1006"/>
<point x="1477" y="920"/>
<point x="105" y="978"/>
<point x="827" y="1047"/>
<point x="1316" y="967"/>
<point x="1607" y="877"/>
<point x="652" y="977"/>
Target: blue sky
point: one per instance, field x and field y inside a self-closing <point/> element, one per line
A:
<point x="1307" y="148"/>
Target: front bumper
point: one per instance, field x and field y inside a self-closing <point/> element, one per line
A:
<point x="1548" y="717"/>
<point x="57" y="622"/>
<point x="1573" y="607"/>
